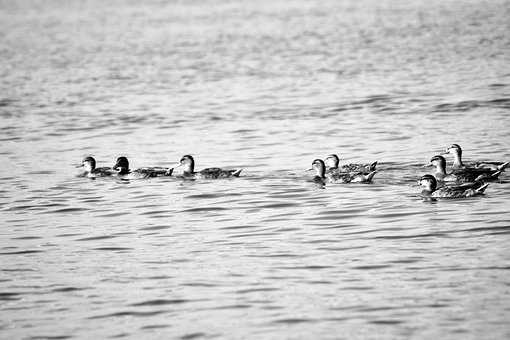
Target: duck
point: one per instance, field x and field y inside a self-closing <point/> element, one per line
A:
<point x="456" y="151"/>
<point x="90" y="170"/>
<point x="337" y="177"/>
<point x="123" y="171"/>
<point x="461" y="175"/>
<point x="332" y="161"/>
<point x="188" y="164"/>
<point x="430" y="189"/>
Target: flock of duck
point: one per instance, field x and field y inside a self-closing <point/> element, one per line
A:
<point x="464" y="180"/>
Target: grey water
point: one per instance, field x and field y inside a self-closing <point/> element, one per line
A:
<point x="267" y="86"/>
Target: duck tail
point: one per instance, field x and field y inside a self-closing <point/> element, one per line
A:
<point x="236" y="173"/>
<point x="496" y="174"/>
<point x="372" y="166"/>
<point x="481" y="189"/>
<point x="503" y="166"/>
<point x="484" y="177"/>
<point x="370" y="176"/>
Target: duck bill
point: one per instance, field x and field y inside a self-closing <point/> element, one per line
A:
<point x="78" y="165"/>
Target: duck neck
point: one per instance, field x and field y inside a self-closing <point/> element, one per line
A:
<point x="428" y="189"/>
<point x="427" y="192"/>
<point x="331" y="163"/>
<point x="441" y="168"/>
<point x="336" y="162"/>
<point x="321" y="173"/>
<point x="89" y="168"/>
<point x="189" y="168"/>
<point x="457" y="159"/>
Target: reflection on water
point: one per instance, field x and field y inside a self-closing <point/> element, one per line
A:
<point x="268" y="87"/>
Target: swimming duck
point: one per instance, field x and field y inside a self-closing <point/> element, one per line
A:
<point x="332" y="162"/>
<point x="430" y="189"/>
<point x="123" y="171"/>
<point x="461" y="175"/>
<point x="338" y="177"/>
<point x="188" y="164"/>
<point x="90" y="170"/>
<point x="456" y="151"/>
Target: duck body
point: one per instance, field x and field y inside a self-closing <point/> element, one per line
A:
<point x="322" y="176"/>
<point x="123" y="171"/>
<point x="462" y="175"/>
<point x="350" y="177"/>
<point x="456" y="151"/>
<point x="495" y="166"/>
<point x="155" y="171"/>
<point x="332" y="165"/>
<point x="90" y="170"/>
<point x="189" y="172"/>
<point x="465" y="176"/>
<point x="430" y="189"/>
<point x="103" y="171"/>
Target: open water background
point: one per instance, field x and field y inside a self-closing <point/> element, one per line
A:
<point x="267" y="86"/>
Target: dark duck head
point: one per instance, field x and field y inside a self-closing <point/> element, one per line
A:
<point x="428" y="183"/>
<point x="122" y="165"/>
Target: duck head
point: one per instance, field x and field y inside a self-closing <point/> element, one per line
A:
<point x="188" y="163"/>
<point x="332" y="161"/>
<point x="440" y="163"/>
<point x="428" y="183"/>
<point x="456" y="151"/>
<point x="122" y="165"/>
<point x="319" y="167"/>
<point x="89" y="164"/>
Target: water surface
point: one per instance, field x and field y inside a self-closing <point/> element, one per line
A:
<point x="267" y="86"/>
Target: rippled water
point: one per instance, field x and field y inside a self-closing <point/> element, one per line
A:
<point x="267" y="86"/>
